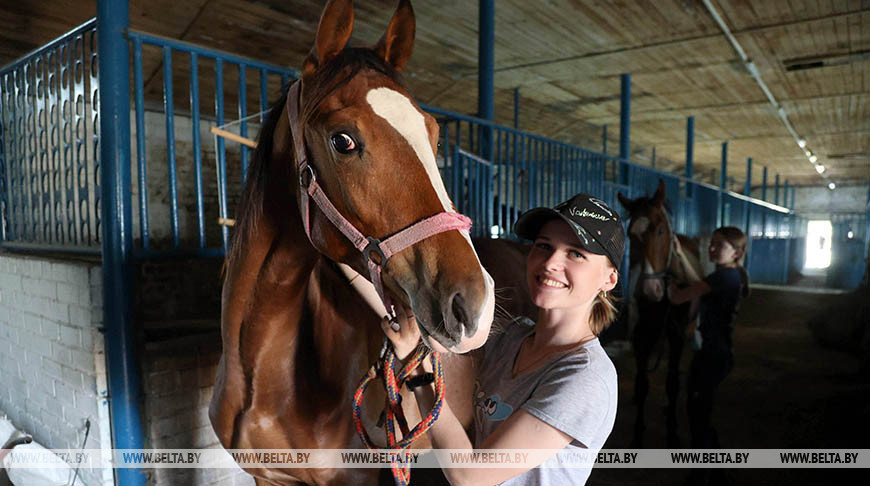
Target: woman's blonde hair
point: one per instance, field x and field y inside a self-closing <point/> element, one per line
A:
<point x="604" y="311"/>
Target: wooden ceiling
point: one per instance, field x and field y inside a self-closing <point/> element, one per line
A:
<point x="566" y="56"/>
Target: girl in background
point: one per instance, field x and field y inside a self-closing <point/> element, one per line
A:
<point x="720" y="294"/>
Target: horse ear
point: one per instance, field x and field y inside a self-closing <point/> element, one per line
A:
<point x="333" y="32"/>
<point x="626" y="202"/>
<point x="659" y="197"/>
<point x="398" y="41"/>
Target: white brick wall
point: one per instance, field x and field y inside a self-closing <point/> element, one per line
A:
<point x="179" y="378"/>
<point x="50" y="312"/>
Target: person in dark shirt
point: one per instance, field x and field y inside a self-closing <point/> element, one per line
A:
<point x="720" y="294"/>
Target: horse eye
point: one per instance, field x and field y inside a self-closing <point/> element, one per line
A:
<point x="343" y="143"/>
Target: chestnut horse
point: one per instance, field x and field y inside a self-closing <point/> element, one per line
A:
<point x="296" y="337"/>
<point x="652" y="264"/>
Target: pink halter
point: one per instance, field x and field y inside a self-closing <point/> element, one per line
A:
<point x="375" y="251"/>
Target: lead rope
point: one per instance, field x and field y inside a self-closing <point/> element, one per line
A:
<point x="394" y="415"/>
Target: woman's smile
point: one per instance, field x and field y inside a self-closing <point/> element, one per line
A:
<point x="550" y="283"/>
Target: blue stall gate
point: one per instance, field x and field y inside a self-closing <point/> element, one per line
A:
<point x="50" y="161"/>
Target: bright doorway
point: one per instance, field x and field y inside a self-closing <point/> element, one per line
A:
<point x="818" y="244"/>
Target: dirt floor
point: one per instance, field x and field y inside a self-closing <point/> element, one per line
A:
<point x="785" y="391"/>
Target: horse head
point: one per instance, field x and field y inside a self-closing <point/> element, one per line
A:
<point x="372" y="150"/>
<point x="651" y="237"/>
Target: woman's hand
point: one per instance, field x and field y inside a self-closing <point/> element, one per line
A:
<point x="406" y="339"/>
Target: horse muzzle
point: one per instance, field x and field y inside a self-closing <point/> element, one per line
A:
<point x="653" y="288"/>
<point x="458" y="323"/>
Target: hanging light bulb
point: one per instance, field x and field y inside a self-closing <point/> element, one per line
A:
<point x="813" y="158"/>
<point x="820" y="168"/>
<point x="832" y="186"/>
<point x="802" y="143"/>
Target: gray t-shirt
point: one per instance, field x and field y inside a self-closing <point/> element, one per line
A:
<point x="575" y="392"/>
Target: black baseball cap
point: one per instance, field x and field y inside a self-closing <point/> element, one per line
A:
<point x="596" y="225"/>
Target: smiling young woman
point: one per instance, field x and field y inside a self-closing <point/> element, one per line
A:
<point x="546" y="384"/>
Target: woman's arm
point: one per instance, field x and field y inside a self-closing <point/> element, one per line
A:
<point x="520" y="431"/>
<point x="678" y="296"/>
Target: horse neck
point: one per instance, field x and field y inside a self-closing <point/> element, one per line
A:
<point x="281" y="289"/>
<point x="271" y="257"/>
<point x="689" y="247"/>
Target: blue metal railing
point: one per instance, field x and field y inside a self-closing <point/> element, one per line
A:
<point x="526" y="170"/>
<point x="49" y="146"/>
<point x="208" y="206"/>
<point x="177" y="209"/>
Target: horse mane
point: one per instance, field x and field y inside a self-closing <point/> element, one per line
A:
<point x="332" y="76"/>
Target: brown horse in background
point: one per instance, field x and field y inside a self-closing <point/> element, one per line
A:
<point x="652" y="264"/>
<point x="296" y="337"/>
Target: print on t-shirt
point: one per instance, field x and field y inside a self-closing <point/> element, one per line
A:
<point x="492" y="407"/>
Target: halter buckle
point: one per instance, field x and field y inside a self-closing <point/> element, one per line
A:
<point x="306" y="182"/>
<point x="374" y="249"/>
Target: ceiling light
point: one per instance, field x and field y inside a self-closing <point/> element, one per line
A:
<point x="802" y="142"/>
<point x="813" y="158"/>
<point x="820" y="168"/>
<point x="832" y="186"/>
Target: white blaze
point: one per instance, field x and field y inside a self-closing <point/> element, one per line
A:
<point x="403" y="116"/>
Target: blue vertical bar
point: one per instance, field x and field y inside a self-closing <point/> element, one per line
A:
<point x="57" y="164"/>
<point x="142" y="166"/>
<point x="221" y="148"/>
<point x="489" y="202"/>
<point x="113" y="19"/>
<point x="624" y="125"/>
<point x="776" y="190"/>
<point x="785" y="193"/>
<point x="550" y="174"/>
<point x="747" y="191"/>
<point x="486" y="73"/>
<point x="243" y="112"/>
<point x="457" y="176"/>
<point x="501" y="149"/>
<point x="169" y="113"/>
<point x="764" y="198"/>
<point x="518" y="147"/>
<point x="723" y="178"/>
<point x="4" y="206"/>
<point x="94" y="94"/>
<point x="533" y="163"/>
<point x="197" y="146"/>
<point x="264" y="94"/>
<point x="690" y="155"/>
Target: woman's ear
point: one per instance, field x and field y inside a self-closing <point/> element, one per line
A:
<point x="611" y="280"/>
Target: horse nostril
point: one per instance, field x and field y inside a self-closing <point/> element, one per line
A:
<point x="460" y="313"/>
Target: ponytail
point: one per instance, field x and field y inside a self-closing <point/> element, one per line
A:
<point x="603" y="312"/>
<point x="744" y="280"/>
